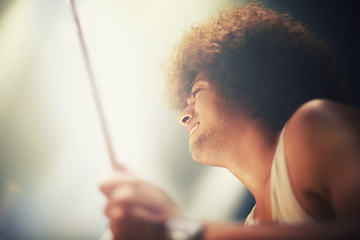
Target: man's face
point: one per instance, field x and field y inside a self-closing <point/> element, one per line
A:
<point x="207" y="120"/>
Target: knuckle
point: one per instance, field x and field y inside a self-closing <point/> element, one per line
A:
<point x="115" y="213"/>
<point x="124" y="195"/>
<point x="103" y="187"/>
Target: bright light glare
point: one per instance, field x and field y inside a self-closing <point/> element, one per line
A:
<point x="54" y="146"/>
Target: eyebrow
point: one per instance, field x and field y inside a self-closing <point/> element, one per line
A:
<point x="191" y="86"/>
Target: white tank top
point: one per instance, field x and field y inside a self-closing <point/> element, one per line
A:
<point x="285" y="208"/>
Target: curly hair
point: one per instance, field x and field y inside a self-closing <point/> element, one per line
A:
<point x="259" y="56"/>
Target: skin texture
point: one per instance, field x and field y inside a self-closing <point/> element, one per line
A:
<point x="205" y="113"/>
<point x="322" y="153"/>
<point x="234" y="114"/>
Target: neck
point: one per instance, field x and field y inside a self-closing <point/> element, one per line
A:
<point x="250" y="160"/>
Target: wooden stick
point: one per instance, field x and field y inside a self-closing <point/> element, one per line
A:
<point x="108" y="143"/>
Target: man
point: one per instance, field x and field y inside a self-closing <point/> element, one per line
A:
<point x="261" y="97"/>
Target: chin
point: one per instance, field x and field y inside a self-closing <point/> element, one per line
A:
<point x="203" y="158"/>
<point x="196" y="156"/>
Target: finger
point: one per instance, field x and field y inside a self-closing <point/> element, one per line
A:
<point x="115" y="229"/>
<point x="134" y="194"/>
<point x="115" y="212"/>
<point x="146" y="214"/>
<point x="146" y="197"/>
<point x="118" y="179"/>
<point x="123" y="201"/>
<point x="151" y="198"/>
<point x="125" y="194"/>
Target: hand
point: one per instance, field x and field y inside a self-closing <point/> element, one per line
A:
<point x="136" y="209"/>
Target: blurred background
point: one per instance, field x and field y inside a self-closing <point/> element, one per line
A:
<point x="52" y="152"/>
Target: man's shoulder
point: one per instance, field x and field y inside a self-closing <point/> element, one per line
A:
<point x="320" y="126"/>
<point x="321" y="116"/>
<point x="318" y="136"/>
<point x="322" y="147"/>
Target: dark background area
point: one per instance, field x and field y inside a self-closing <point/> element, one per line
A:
<point x="338" y="23"/>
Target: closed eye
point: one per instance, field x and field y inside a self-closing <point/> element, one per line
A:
<point x="195" y="92"/>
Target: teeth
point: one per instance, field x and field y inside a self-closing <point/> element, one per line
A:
<point x="193" y="129"/>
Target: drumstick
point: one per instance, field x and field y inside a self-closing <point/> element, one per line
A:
<point x="115" y="164"/>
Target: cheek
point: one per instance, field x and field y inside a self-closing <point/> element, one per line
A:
<point x="212" y="110"/>
<point x="208" y="100"/>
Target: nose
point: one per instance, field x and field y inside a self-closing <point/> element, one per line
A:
<point x="186" y="115"/>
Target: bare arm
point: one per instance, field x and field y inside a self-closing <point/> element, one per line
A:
<point x="334" y="230"/>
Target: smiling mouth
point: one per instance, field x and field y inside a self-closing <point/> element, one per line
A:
<point x="193" y="129"/>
